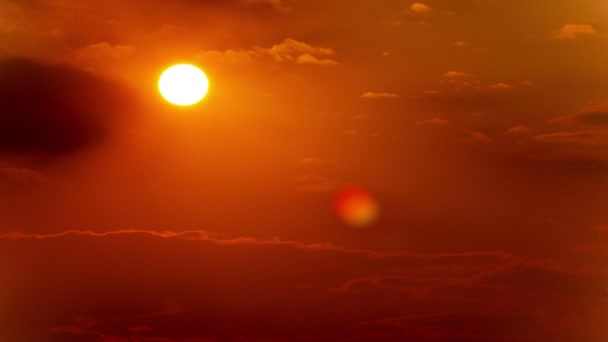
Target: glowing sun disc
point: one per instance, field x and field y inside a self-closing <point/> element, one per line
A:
<point x="183" y="84"/>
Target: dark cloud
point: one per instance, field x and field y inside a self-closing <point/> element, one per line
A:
<point x="596" y="118"/>
<point x="19" y="177"/>
<point x="593" y="116"/>
<point x="54" y="110"/>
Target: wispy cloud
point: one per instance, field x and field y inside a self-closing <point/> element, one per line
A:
<point x="375" y="95"/>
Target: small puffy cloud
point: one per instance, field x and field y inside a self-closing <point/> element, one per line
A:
<point x="477" y="136"/>
<point x="436" y="122"/>
<point x="459" y="80"/>
<point x="99" y="53"/>
<point x="374" y="95"/>
<point x="291" y="49"/>
<point x="310" y="59"/>
<point x="460" y="44"/>
<point x="501" y="86"/>
<point x="572" y="31"/>
<point x="457" y="74"/>
<point x="229" y="56"/>
<point x="518" y="130"/>
<point x="463" y="81"/>
<point x="420" y="8"/>
<point x="350" y="132"/>
<point x="107" y="50"/>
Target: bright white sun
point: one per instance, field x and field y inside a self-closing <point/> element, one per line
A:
<point x="183" y="84"/>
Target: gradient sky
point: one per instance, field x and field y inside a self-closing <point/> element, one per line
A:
<point x="477" y="129"/>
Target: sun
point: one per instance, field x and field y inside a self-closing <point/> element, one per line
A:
<point x="183" y="84"/>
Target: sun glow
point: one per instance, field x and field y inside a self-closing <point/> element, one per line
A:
<point x="183" y="84"/>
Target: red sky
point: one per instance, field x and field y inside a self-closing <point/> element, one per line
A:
<point x="478" y="129"/>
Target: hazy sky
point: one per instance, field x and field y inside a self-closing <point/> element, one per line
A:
<point x="479" y="128"/>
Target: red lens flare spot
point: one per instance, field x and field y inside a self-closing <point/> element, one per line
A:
<point x="356" y="207"/>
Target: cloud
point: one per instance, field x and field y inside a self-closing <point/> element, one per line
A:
<point x="528" y="83"/>
<point x="501" y="86"/>
<point x="55" y="110"/>
<point x="105" y="51"/>
<point x="211" y="283"/>
<point x="309" y="59"/>
<point x="437" y="122"/>
<point x="16" y="176"/>
<point x="219" y="239"/>
<point x="579" y="137"/>
<point x="103" y="56"/>
<point x="420" y="8"/>
<point x="470" y="326"/>
<point x="587" y="130"/>
<point x="572" y="31"/>
<point x="518" y="130"/>
<point x="457" y="74"/>
<point x="477" y="136"/>
<point x="595" y="116"/>
<point x="228" y="56"/>
<point x="374" y="95"/>
<point x="600" y="228"/>
<point x="289" y="50"/>
<point x="314" y="175"/>
<point x="459" y="80"/>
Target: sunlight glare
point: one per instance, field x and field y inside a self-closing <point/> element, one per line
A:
<point x="183" y="84"/>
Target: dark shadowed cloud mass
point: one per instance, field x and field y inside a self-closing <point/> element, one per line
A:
<point x="54" y="110"/>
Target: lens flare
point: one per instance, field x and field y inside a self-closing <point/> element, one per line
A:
<point x="356" y="207"/>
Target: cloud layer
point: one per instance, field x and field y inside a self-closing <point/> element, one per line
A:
<point x="284" y="291"/>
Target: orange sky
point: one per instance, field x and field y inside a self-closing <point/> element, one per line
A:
<point x="474" y="132"/>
